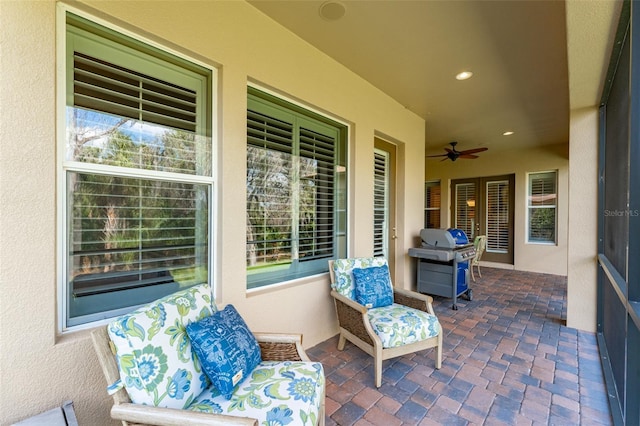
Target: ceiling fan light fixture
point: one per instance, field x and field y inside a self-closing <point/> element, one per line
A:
<point x="464" y="75"/>
<point x="507" y="133"/>
<point x="332" y="10"/>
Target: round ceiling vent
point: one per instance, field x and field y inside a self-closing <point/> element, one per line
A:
<point x="332" y="10"/>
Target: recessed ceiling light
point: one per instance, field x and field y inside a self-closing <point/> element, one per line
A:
<point x="464" y="75"/>
<point x="332" y="10"/>
<point x="508" y="133"/>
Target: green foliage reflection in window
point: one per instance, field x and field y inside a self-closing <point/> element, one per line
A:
<point x="296" y="190"/>
<point x="137" y="170"/>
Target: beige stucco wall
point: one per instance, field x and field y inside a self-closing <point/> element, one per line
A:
<point x="39" y="367"/>
<point x="583" y="203"/>
<point x="527" y="257"/>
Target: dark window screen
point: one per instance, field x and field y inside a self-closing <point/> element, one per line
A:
<point x="616" y="215"/>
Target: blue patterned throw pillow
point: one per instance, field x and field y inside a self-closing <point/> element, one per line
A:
<point x="226" y="349"/>
<point x="373" y="286"/>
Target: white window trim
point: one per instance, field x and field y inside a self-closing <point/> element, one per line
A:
<point x="61" y="199"/>
<point x="526" y="208"/>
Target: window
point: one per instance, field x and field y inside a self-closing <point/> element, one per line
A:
<point x="542" y="202"/>
<point x="498" y="216"/>
<point x="296" y="191"/>
<point x="137" y="173"/>
<point x="380" y="202"/>
<point x="432" y="204"/>
<point x="465" y="208"/>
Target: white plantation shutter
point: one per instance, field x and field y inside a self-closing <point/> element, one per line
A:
<point x="121" y="240"/>
<point x="317" y="157"/>
<point x="465" y="213"/>
<point x="497" y="226"/>
<point x="269" y="188"/>
<point x="269" y="133"/>
<point x="542" y="189"/>
<point x="103" y="86"/>
<point x="291" y="191"/>
<point x="380" y="203"/>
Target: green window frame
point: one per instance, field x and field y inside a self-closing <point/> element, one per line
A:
<point x="542" y="202"/>
<point x="135" y="170"/>
<point x="296" y="190"/>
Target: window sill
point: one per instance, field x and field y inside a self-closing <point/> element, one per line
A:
<point x="541" y="243"/>
<point x="271" y="288"/>
<point x="73" y="336"/>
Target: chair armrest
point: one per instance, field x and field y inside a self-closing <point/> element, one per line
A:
<point x="413" y="299"/>
<point x="401" y="296"/>
<point x="281" y="347"/>
<point x="158" y="416"/>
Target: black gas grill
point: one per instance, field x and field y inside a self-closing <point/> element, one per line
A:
<point x="443" y="263"/>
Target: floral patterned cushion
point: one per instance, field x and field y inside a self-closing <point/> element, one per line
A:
<point x="398" y="325"/>
<point x="227" y="350"/>
<point x="373" y="286"/>
<point x="343" y="271"/>
<point x="152" y="374"/>
<point x="276" y="393"/>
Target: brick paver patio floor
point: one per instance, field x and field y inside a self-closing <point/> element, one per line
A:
<point x="508" y="359"/>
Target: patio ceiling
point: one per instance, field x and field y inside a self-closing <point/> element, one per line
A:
<point x="532" y="61"/>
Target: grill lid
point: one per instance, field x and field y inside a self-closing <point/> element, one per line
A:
<point x="448" y="239"/>
<point x="459" y="236"/>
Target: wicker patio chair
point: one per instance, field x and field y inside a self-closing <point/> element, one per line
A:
<point x="285" y="349"/>
<point x="382" y="332"/>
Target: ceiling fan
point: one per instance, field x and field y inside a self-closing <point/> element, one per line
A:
<point x="452" y="154"/>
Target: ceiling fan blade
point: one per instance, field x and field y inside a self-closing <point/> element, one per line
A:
<point x="473" y="151"/>
<point x="452" y="154"/>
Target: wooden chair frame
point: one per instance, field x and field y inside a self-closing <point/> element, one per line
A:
<point x="356" y="328"/>
<point x="273" y="347"/>
<point x="480" y="244"/>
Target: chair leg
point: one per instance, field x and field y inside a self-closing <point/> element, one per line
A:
<point x="341" y="342"/>
<point x="377" y="362"/>
<point x="479" y="271"/>
<point x="439" y="351"/>
<point x="473" y="277"/>
<point x="378" y="374"/>
<point x="321" y="414"/>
